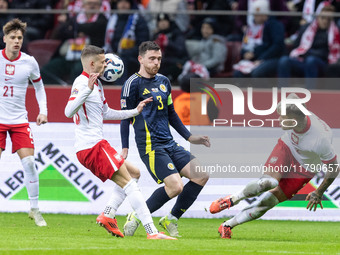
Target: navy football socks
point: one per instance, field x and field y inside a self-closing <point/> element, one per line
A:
<point x="186" y="198"/>
<point x="157" y="199"/>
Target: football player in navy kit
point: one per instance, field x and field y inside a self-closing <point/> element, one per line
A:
<point x="165" y="160"/>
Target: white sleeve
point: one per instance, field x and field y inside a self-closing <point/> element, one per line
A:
<point x="111" y="114"/>
<point x="325" y="150"/>
<point x="79" y="94"/>
<point x="40" y="93"/>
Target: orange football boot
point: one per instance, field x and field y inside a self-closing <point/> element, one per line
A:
<point x="110" y="225"/>
<point x="225" y="231"/>
<point x="221" y="204"/>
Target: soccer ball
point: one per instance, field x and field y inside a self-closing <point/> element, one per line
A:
<point x="114" y="68"/>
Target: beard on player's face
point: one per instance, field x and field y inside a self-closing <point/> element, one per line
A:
<point x="152" y="69"/>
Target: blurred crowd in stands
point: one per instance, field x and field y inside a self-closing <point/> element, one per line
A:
<point x="255" y="45"/>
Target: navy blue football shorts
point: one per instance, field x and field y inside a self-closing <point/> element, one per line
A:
<point x="166" y="161"/>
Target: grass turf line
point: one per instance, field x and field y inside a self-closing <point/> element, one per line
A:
<point x="78" y="234"/>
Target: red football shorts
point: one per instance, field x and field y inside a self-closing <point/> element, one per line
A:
<point x="101" y="159"/>
<point x="21" y="136"/>
<point x="294" y="180"/>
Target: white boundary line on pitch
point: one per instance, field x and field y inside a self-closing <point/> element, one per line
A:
<point x="110" y="248"/>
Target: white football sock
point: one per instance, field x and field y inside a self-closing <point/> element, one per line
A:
<point x="255" y="188"/>
<point x="138" y="204"/>
<point x="117" y="198"/>
<point x="255" y="211"/>
<point x="31" y="179"/>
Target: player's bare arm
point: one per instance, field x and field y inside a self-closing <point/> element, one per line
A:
<point x="41" y="119"/>
<point x="200" y="139"/>
<point x="315" y="197"/>
<point x="111" y="114"/>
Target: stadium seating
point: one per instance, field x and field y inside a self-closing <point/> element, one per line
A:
<point x="43" y="50"/>
<point x="233" y="56"/>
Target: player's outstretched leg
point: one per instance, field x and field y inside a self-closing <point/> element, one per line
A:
<point x="31" y="179"/>
<point x="249" y="213"/>
<point x="252" y="189"/>
<point x="137" y="202"/>
<point x="107" y="218"/>
<point x="186" y="198"/>
<point x="173" y="187"/>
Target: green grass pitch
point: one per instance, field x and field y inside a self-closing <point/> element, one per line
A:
<point x="78" y="234"/>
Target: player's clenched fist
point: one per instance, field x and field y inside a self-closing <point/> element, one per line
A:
<point x="41" y="119"/>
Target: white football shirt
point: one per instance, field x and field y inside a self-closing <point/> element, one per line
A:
<point x="312" y="147"/>
<point x="88" y="109"/>
<point x="14" y="79"/>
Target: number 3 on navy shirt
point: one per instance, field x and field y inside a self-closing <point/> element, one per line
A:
<point x="161" y="106"/>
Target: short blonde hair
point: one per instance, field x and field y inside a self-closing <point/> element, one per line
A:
<point x="91" y="50"/>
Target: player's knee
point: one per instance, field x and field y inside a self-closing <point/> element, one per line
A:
<point x="29" y="165"/>
<point x="269" y="200"/>
<point x="175" y="189"/>
<point x="202" y="179"/>
<point x="266" y="203"/>
<point x="133" y="170"/>
<point x="267" y="182"/>
<point x="135" y="174"/>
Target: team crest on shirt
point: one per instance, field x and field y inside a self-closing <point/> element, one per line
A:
<point x="122" y="103"/>
<point x="10" y="69"/>
<point x="74" y="92"/>
<point x="171" y="166"/>
<point x="295" y="138"/>
<point x="163" y="88"/>
<point x="273" y="160"/>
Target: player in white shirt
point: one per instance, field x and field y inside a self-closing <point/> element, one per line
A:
<point x="16" y="70"/>
<point x="88" y="107"/>
<point x="305" y="149"/>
